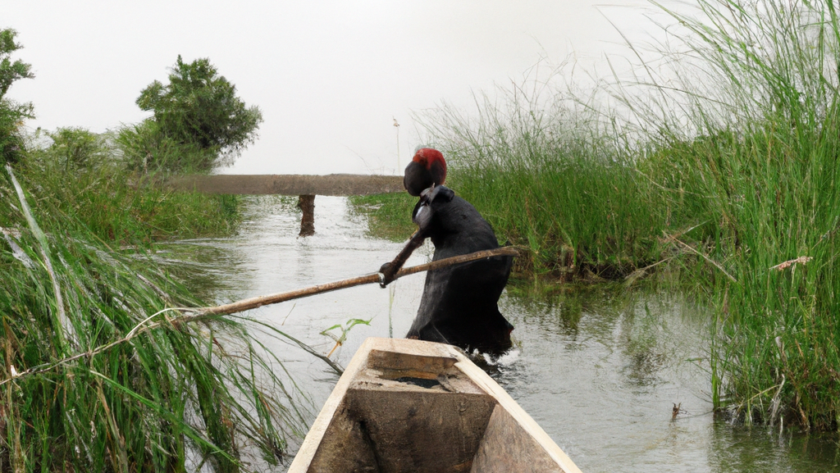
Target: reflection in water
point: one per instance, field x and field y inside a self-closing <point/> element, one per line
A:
<point x="599" y="368"/>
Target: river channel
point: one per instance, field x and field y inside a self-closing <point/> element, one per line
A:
<point x="599" y="368"/>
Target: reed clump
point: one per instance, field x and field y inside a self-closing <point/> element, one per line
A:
<point x="84" y="384"/>
<point x="758" y="153"/>
<point x="550" y="176"/>
<point x="84" y="175"/>
<point x="718" y="162"/>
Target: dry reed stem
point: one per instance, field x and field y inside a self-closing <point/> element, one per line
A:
<point x="783" y="266"/>
<point x="713" y="262"/>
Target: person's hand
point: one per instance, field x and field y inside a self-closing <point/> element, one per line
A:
<point x="388" y="271"/>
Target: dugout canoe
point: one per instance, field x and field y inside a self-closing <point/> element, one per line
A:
<point x="414" y="406"/>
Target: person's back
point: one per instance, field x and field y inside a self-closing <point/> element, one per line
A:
<point x="460" y="303"/>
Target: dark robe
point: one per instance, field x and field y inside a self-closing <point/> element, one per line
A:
<point x="460" y="302"/>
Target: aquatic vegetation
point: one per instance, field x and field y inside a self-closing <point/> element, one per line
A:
<point x="87" y="383"/>
<point x="344" y="329"/>
<point x="388" y="215"/>
<point x="552" y="179"/>
<point x="759" y="158"/>
<point x="103" y="369"/>
<point x="107" y="392"/>
<point x="719" y="164"/>
<point x="114" y="202"/>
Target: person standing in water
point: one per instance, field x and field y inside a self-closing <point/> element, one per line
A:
<point x="460" y="303"/>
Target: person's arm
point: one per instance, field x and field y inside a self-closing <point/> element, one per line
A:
<point x="422" y="215"/>
<point x="389" y="270"/>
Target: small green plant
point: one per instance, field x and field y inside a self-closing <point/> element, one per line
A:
<point x="344" y="329"/>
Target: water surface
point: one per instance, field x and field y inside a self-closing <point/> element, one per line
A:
<point x="599" y="368"/>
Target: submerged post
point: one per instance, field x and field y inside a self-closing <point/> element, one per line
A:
<point x="306" y="203"/>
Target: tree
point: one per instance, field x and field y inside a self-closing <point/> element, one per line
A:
<point x="200" y="109"/>
<point x="75" y="148"/>
<point x="12" y="113"/>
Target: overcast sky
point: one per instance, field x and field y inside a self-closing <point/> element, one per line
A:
<point x="329" y="76"/>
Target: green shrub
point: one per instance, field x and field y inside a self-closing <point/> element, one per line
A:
<point x="147" y="149"/>
<point x="76" y="148"/>
<point x="199" y="111"/>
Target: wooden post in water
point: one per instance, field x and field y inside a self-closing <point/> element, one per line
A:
<point x="306" y="203"/>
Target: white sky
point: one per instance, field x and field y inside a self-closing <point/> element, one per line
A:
<point x="329" y="76"/>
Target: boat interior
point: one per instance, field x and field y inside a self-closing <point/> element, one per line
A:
<point x="418" y="411"/>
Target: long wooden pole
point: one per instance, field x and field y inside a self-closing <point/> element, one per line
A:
<point x="255" y="302"/>
<point x="199" y="313"/>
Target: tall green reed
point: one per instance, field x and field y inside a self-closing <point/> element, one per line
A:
<point x="724" y="148"/>
<point x="745" y="125"/>
<point x="550" y="175"/>
<point x="94" y="185"/>
<point x="181" y="396"/>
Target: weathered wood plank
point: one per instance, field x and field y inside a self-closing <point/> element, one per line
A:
<point x="421" y="430"/>
<point x="417" y="365"/>
<point x="506" y="447"/>
<point x="288" y="184"/>
<point x="313" y="439"/>
<point x="527" y="425"/>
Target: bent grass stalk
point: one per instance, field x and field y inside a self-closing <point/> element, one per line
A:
<point x="63" y="326"/>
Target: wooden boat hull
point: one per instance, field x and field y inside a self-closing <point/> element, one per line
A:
<point x="414" y="406"/>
